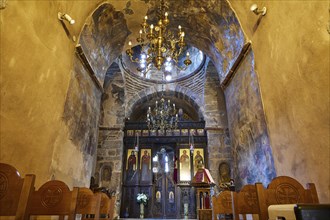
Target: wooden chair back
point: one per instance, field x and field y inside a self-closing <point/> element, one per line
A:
<point x="107" y="207"/>
<point x="223" y="204"/>
<point x="88" y="204"/>
<point x="284" y="190"/>
<point x="53" y="198"/>
<point x="14" y="191"/>
<point x="247" y="201"/>
<point x="112" y="207"/>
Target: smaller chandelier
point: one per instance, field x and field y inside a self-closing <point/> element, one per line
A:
<point x="160" y="47"/>
<point x="163" y="116"/>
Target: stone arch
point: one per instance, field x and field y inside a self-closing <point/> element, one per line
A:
<point x="183" y="98"/>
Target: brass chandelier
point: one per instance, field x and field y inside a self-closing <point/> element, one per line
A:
<point x="164" y="116"/>
<point x="159" y="47"/>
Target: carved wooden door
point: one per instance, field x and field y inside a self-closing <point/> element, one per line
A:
<point x="165" y="196"/>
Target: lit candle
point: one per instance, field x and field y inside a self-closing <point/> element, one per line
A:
<point x="141" y="33"/>
<point x="151" y="28"/>
<point x="145" y="18"/>
<point x="166" y="14"/>
<point x="129" y="43"/>
<point x="188" y="54"/>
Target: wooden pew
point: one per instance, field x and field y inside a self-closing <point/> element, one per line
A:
<point x="237" y="203"/>
<point x="107" y="207"/>
<point x="284" y="190"/>
<point x="247" y="201"/>
<point x="224" y="204"/>
<point x="14" y="191"/>
<point x="52" y="198"/>
<point x="88" y="204"/>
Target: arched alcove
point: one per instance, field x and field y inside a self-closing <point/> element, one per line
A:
<point x="182" y="101"/>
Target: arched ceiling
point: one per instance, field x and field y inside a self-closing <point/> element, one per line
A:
<point x="210" y="26"/>
<point x="181" y="101"/>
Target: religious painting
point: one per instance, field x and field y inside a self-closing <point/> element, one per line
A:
<point x="200" y="132"/>
<point x="224" y="173"/>
<point x="169" y="133"/>
<point x="185" y="165"/>
<point x="145" y="132"/>
<point x="153" y="133"/>
<point x="192" y="132"/>
<point x="130" y="133"/>
<point x="145" y="164"/>
<point x="176" y="132"/>
<point x="158" y="196"/>
<point x="138" y="132"/>
<point x="131" y="164"/>
<point x="184" y="132"/>
<point x="161" y="133"/>
<point x="106" y="173"/>
<point x="171" y="197"/>
<point x="198" y="159"/>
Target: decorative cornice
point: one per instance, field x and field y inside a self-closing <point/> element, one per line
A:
<point x="235" y="66"/>
<point x="110" y="128"/>
<point x="84" y="61"/>
<point x="214" y="129"/>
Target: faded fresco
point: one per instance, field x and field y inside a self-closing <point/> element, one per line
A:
<point x="216" y="30"/>
<point x="248" y="130"/>
<point x="103" y="37"/>
<point x="82" y="110"/>
<point x="113" y="98"/>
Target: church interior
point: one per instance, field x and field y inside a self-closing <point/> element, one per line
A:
<point x="245" y="93"/>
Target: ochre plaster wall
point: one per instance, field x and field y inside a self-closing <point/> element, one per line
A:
<point x="36" y="68"/>
<point x="291" y="49"/>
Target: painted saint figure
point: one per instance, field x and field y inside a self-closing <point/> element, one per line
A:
<point x="198" y="160"/>
<point x="131" y="165"/>
<point x="225" y="181"/>
<point x="145" y="166"/>
<point x="185" y="166"/>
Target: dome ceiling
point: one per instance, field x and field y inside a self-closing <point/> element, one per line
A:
<point x="154" y="75"/>
<point x="210" y="26"/>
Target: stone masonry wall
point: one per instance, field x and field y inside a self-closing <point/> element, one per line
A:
<point x="219" y="148"/>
